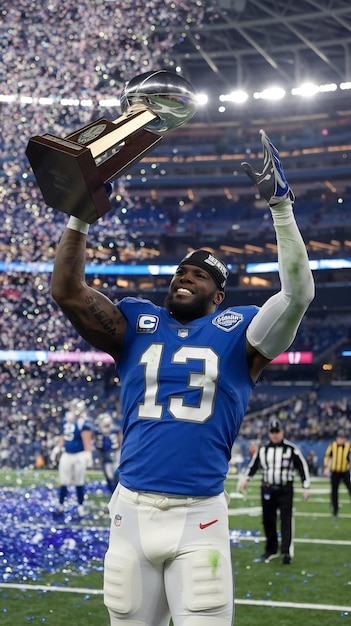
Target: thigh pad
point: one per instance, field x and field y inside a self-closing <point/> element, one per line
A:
<point x="207" y="577"/>
<point x="121" y="575"/>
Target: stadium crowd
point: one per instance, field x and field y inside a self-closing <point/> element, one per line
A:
<point x="79" y="48"/>
<point x="61" y="54"/>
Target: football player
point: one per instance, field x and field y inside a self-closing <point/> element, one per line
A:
<point x="74" y="448"/>
<point x="107" y="442"/>
<point x="187" y="370"/>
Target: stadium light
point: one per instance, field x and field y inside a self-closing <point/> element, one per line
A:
<point x="238" y="97"/>
<point x="306" y="90"/>
<point x="271" y="93"/>
<point x="328" y="87"/>
<point x="4" y="97"/>
<point x="46" y="100"/>
<point x="86" y="103"/>
<point x="201" y="99"/>
<point x="73" y="102"/>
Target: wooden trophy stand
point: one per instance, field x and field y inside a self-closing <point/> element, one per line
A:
<point x="72" y="172"/>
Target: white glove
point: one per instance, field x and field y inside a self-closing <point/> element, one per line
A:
<point x="88" y="458"/>
<point x="55" y="452"/>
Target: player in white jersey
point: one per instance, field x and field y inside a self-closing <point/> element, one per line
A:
<point x="74" y="448"/>
<point x="186" y="372"/>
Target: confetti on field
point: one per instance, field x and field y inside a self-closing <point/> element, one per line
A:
<point x="35" y="541"/>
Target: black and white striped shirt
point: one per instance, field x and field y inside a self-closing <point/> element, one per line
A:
<point x="278" y="462"/>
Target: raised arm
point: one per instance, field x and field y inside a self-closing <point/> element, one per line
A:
<point x="91" y="313"/>
<point x="274" y="328"/>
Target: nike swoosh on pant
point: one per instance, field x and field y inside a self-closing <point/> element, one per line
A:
<point x="202" y="526"/>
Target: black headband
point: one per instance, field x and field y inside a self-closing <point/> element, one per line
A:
<point x="202" y="258"/>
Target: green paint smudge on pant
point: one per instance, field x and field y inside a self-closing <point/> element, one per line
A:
<point x="213" y="559"/>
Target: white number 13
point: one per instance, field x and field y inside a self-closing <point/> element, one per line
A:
<point x="206" y="381"/>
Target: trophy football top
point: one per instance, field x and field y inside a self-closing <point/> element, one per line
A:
<point x="167" y="94"/>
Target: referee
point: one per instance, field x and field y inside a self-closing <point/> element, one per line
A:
<point x="337" y="466"/>
<point x="277" y="459"/>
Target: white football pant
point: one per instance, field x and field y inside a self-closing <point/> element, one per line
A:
<point x="72" y="468"/>
<point x="168" y="556"/>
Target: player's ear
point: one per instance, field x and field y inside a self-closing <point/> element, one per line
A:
<point x="219" y="297"/>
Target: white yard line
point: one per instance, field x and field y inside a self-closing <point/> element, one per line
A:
<point x="295" y="605"/>
<point x="327" y="542"/>
<point x="254" y="511"/>
<point x="99" y="592"/>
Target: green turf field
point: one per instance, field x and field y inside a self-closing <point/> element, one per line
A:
<point x="314" y="590"/>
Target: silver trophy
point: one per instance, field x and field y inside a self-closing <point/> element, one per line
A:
<point x="169" y="96"/>
<point x="72" y="172"/>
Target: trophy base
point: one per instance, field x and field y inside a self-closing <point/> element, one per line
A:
<point x="69" y="178"/>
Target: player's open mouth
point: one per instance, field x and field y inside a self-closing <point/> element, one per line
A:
<point x="187" y="292"/>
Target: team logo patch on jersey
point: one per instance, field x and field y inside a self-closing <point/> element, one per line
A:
<point x="147" y="323"/>
<point x="228" y="320"/>
<point x="117" y="520"/>
<point x="183" y="333"/>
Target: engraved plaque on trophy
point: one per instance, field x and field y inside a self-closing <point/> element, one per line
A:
<point x="72" y="171"/>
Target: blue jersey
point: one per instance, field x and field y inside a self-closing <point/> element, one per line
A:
<point x="185" y="390"/>
<point x="72" y="437"/>
<point x="107" y="445"/>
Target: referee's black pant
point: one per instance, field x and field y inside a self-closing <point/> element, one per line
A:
<point x="336" y="478"/>
<point x="277" y="498"/>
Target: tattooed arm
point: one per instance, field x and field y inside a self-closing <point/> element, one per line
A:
<point x="91" y="313"/>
